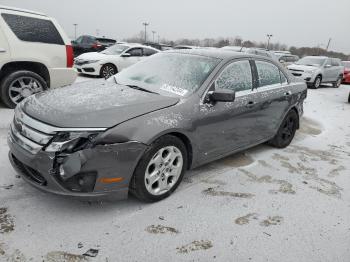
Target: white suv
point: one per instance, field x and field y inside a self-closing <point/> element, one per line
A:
<point x="35" y="54"/>
<point x="316" y="70"/>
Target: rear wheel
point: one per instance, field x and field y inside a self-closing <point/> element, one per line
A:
<point x="286" y="131"/>
<point x="160" y="170"/>
<point x="338" y="82"/>
<point x="20" y="84"/>
<point x="317" y="83"/>
<point x="108" y="70"/>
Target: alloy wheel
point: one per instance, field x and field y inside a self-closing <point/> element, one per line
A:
<point x="288" y="129"/>
<point x="108" y="71"/>
<point x="317" y="82"/>
<point x="163" y="170"/>
<point x="23" y="87"/>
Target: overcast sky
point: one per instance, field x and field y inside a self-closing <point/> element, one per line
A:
<point x="292" y="22"/>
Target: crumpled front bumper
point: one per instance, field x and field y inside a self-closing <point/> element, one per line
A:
<point x="105" y="162"/>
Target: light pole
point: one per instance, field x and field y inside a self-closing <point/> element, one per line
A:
<point x="153" y="32"/>
<point x="329" y="43"/>
<point x="75" y="31"/>
<point x="145" y="24"/>
<point x="268" y="40"/>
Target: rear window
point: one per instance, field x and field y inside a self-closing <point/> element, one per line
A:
<point x="33" y="29"/>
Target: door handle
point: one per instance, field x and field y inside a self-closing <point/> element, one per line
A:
<point x="2" y="50"/>
<point x="250" y="104"/>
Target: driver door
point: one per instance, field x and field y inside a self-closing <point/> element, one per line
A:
<point x="224" y="127"/>
<point x="135" y="56"/>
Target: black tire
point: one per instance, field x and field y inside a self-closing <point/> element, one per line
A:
<point x="108" y="70"/>
<point x="338" y="82"/>
<point x="10" y="78"/>
<point x="317" y="83"/>
<point x="138" y="182"/>
<point x="286" y="132"/>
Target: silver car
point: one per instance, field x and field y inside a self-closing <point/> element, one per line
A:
<point x="316" y="70"/>
<point x="140" y="130"/>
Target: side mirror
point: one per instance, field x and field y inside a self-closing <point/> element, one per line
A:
<point x="125" y="55"/>
<point x="223" y="95"/>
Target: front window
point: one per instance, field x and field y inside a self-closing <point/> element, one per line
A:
<point x="311" y="61"/>
<point x="115" y="50"/>
<point x="171" y="74"/>
<point x="236" y="76"/>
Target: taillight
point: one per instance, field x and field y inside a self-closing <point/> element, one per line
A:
<point x="96" y="45"/>
<point x="70" y="55"/>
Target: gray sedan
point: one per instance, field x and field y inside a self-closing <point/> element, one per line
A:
<point x="140" y="130"/>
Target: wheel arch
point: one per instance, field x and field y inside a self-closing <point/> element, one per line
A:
<point x="35" y="67"/>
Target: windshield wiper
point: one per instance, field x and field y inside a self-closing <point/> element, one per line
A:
<point x="141" y="89"/>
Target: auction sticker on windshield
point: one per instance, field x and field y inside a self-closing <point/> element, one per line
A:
<point x="174" y="90"/>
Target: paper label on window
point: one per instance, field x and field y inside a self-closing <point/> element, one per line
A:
<point x="174" y="90"/>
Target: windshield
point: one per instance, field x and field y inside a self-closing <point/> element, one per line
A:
<point x="171" y="74"/>
<point x="311" y="61"/>
<point x="115" y="50"/>
<point x="346" y="64"/>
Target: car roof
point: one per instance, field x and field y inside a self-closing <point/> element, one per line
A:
<point x="214" y="53"/>
<point x="10" y="8"/>
<point x="137" y="45"/>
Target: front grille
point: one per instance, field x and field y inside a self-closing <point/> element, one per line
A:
<point x="29" y="133"/>
<point x="29" y="172"/>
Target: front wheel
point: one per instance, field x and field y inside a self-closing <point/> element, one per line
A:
<point x="286" y="132"/>
<point x="317" y="83"/>
<point x="160" y="170"/>
<point x="108" y="70"/>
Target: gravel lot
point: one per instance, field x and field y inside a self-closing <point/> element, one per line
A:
<point x="262" y="205"/>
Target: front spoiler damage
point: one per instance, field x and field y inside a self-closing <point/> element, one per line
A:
<point x="102" y="162"/>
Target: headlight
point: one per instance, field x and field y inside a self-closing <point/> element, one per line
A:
<point x="71" y="141"/>
<point x="91" y="61"/>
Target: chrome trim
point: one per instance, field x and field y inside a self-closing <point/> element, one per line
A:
<point x="32" y="134"/>
<point x="24" y="142"/>
<point x="48" y="129"/>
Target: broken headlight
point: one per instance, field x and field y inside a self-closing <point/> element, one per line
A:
<point x="71" y="141"/>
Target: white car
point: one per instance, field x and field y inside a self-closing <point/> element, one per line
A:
<point x="35" y="54"/>
<point x="112" y="60"/>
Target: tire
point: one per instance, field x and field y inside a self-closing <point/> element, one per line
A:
<point x="286" y="131"/>
<point x="317" y="83"/>
<point x="20" y="84"/>
<point x="108" y="70"/>
<point x="349" y="98"/>
<point x="153" y="165"/>
<point x="338" y="82"/>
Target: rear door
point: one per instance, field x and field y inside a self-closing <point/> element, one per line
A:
<point x="4" y="49"/>
<point x="272" y="97"/>
<point x="328" y="71"/>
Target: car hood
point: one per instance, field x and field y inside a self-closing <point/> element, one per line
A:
<point x="92" y="56"/>
<point x="302" y="67"/>
<point x="93" y="104"/>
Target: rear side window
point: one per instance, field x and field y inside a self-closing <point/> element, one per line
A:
<point x="33" y="29"/>
<point x="236" y="76"/>
<point x="148" y="52"/>
<point x="268" y="74"/>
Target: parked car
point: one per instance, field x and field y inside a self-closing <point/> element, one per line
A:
<point x="186" y="47"/>
<point x="31" y="61"/>
<point x="286" y="59"/>
<point x="346" y="77"/>
<point x="161" y="47"/>
<point x="112" y="60"/>
<point x="88" y="43"/>
<point x="255" y="51"/>
<point x="316" y="70"/>
<point x="140" y="130"/>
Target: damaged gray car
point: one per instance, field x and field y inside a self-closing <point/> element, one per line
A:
<point x="139" y="131"/>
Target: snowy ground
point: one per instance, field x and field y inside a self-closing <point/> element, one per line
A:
<point x="262" y="205"/>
